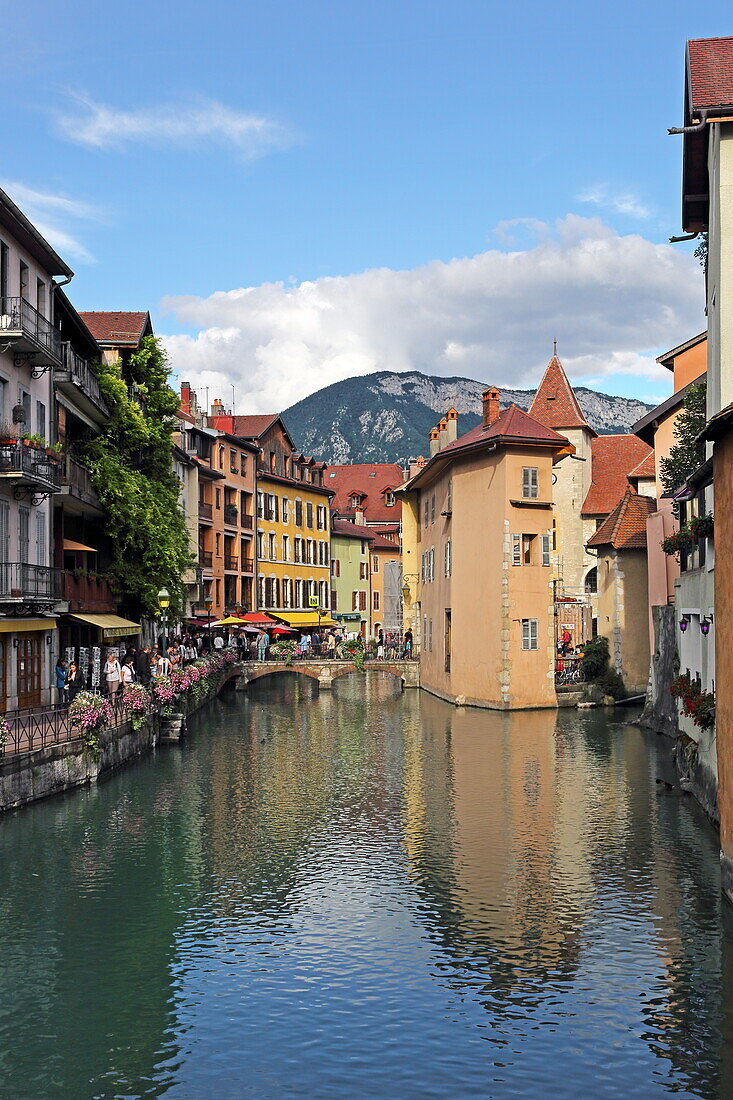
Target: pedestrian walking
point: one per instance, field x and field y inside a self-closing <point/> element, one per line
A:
<point x="62" y="678"/>
<point x="164" y="665"/>
<point x="218" y="642"/>
<point x="407" y="645"/>
<point x="263" y="643"/>
<point x="141" y="664"/>
<point x="380" y="645"/>
<point x="112" y="673"/>
<point x="127" y="675"/>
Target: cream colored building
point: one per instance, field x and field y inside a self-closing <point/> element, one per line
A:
<point x="477" y="559"/>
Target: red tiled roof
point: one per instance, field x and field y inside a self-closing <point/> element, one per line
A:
<point x="345" y="480"/>
<point x="251" y="427"/>
<point x="116" y="328"/>
<point x="645" y="469"/>
<point x="625" y="528"/>
<point x="513" y="424"/>
<point x="351" y="530"/>
<point x="381" y="543"/>
<point x="613" y="457"/>
<point x="555" y="403"/>
<point x="710" y="68"/>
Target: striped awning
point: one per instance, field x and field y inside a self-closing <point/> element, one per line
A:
<point x="301" y="620"/>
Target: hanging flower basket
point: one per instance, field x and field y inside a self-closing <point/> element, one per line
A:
<point x="681" y="541"/>
<point x="701" y="527"/>
<point x="696" y="704"/>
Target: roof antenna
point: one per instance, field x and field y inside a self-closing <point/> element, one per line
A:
<point x="554" y="348"/>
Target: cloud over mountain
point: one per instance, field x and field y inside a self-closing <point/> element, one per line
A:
<point x="611" y="300"/>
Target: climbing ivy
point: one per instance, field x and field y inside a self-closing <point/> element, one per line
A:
<point x="131" y="468"/>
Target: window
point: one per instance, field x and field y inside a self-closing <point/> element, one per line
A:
<point x="375" y="563"/>
<point x="449" y="498"/>
<point x="260" y="505"/>
<point x="221" y="457"/>
<point x="431" y="564"/>
<point x="286" y="548"/>
<point x="287" y="591"/>
<point x="271" y="549"/>
<point x="296" y="548"/>
<point x="447" y="638"/>
<point x="298" y="594"/>
<point x="308" y="514"/>
<point x="362" y="571"/>
<point x="376" y="601"/>
<point x="24" y="519"/>
<point x="309" y="551"/>
<point x="527" y="543"/>
<point x="4" y="281"/>
<point x="355" y="500"/>
<point x="322" y="594"/>
<point x="389" y="499"/>
<point x="273" y="459"/>
<point x="218" y="545"/>
<point x="546" y="549"/>
<point x="426" y="511"/>
<point x="362" y="601"/>
<point x="432" y="508"/>
<point x="41" y="297"/>
<point x="4" y="531"/>
<point x="41" y="546"/>
<point x="321" y="518"/>
<point x="299" y="513"/>
<point x="354" y="601"/>
<point x="516" y="549"/>
<point x="233" y="465"/>
<point x="334" y="595"/>
<point x="530" y="482"/>
<point x="243" y="465"/>
<point x="335" y="567"/>
<point x="24" y="280"/>
<point x="41" y="419"/>
<point x="529" y="633"/>
<point x="447" y="558"/>
<point x="260" y="545"/>
<point x="286" y="510"/>
<point x="217" y="497"/>
<point x="591" y="580"/>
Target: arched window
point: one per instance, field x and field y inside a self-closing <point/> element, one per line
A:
<point x="591" y="580"/>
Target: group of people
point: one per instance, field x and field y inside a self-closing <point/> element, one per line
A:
<point x="136" y="664"/>
<point x="330" y="644"/>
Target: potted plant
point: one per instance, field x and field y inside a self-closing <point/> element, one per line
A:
<point x="681" y="541"/>
<point x="701" y="527"/>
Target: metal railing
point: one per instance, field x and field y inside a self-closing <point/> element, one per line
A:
<point x="205" y="510"/>
<point x="83" y="376"/>
<point x="77" y="477"/>
<point x="18" y="580"/>
<point x="93" y="594"/>
<point x="247" y="522"/>
<point x="248" y="565"/>
<point x="33" y="463"/>
<point x="34" y="728"/>
<point x="231" y="561"/>
<point x="569" y="670"/>
<point x="231" y="515"/>
<point x="206" y="558"/>
<point x="19" y="316"/>
<point x="322" y="652"/>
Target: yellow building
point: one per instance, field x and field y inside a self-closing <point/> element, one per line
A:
<point x="292" y="520"/>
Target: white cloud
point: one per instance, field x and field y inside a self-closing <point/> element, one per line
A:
<point x="622" y="202"/>
<point x="610" y="300"/>
<point x="51" y="212"/>
<point x="186" y="125"/>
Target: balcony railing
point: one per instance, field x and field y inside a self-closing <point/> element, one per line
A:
<point x="248" y="565"/>
<point x="206" y="558"/>
<point x="231" y="561"/>
<point x="79" y="372"/>
<point x="93" y="594"/>
<point x="23" y="462"/>
<point x="205" y="511"/>
<point x="21" y="320"/>
<point x="231" y="515"/>
<point x="247" y="522"/>
<point x="78" y="479"/>
<point x="19" y="581"/>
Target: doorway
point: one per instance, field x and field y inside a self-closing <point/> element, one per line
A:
<point x="29" y="670"/>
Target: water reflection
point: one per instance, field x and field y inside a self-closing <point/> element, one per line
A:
<point x="366" y="892"/>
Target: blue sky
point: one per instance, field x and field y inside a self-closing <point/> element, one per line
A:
<point x="175" y="153"/>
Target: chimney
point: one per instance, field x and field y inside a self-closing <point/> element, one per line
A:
<point x="416" y="464"/>
<point x="451" y="418"/>
<point x="359" y="516"/>
<point x="443" y="429"/>
<point x="491" y="406"/>
<point x="217" y="409"/>
<point x="434" y="441"/>
<point x="186" y="397"/>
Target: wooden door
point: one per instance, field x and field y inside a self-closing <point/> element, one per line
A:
<point x="29" y="670"/>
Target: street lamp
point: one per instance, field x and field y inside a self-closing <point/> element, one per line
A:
<point x="164" y="601"/>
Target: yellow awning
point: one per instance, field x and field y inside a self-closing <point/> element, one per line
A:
<point x="8" y="626"/>
<point x="112" y="626"/>
<point x="69" y="544"/>
<point x="302" y="619"/>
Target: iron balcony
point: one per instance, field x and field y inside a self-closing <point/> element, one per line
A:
<point x="29" y="468"/>
<point x="34" y="338"/>
<point x="19" y="581"/>
<point x="76" y="379"/>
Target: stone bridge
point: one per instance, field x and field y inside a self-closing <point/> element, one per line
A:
<point x="325" y="672"/>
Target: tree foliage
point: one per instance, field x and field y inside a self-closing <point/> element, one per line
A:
<point x="131" y="467"/>
<point x="688" y="452"/>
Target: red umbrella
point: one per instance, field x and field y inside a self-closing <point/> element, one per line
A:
<point x="281" y="630"/>
<point x="258" y="618"/>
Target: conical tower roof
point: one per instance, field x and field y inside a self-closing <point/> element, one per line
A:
<point x="555" y="403"/>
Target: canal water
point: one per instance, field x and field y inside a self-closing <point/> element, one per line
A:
<point x="365" y="894"/>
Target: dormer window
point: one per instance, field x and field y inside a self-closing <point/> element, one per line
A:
<point x="389" y="498"/>
<point x="355" y="500"/>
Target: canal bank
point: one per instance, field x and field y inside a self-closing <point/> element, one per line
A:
<point x="368" y="892"/>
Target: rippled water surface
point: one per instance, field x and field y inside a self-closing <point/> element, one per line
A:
<point x="368" y="894"/>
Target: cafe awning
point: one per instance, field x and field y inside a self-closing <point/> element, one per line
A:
<point x="301" y="620"/>
<point x="112" y="626"/>
<point x="12" y="626"/>
<point x="69" y="544"/>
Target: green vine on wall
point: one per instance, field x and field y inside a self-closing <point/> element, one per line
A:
<point x="131" y="468"/>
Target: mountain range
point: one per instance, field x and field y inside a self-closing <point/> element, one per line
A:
<point x="386" y="417"/>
